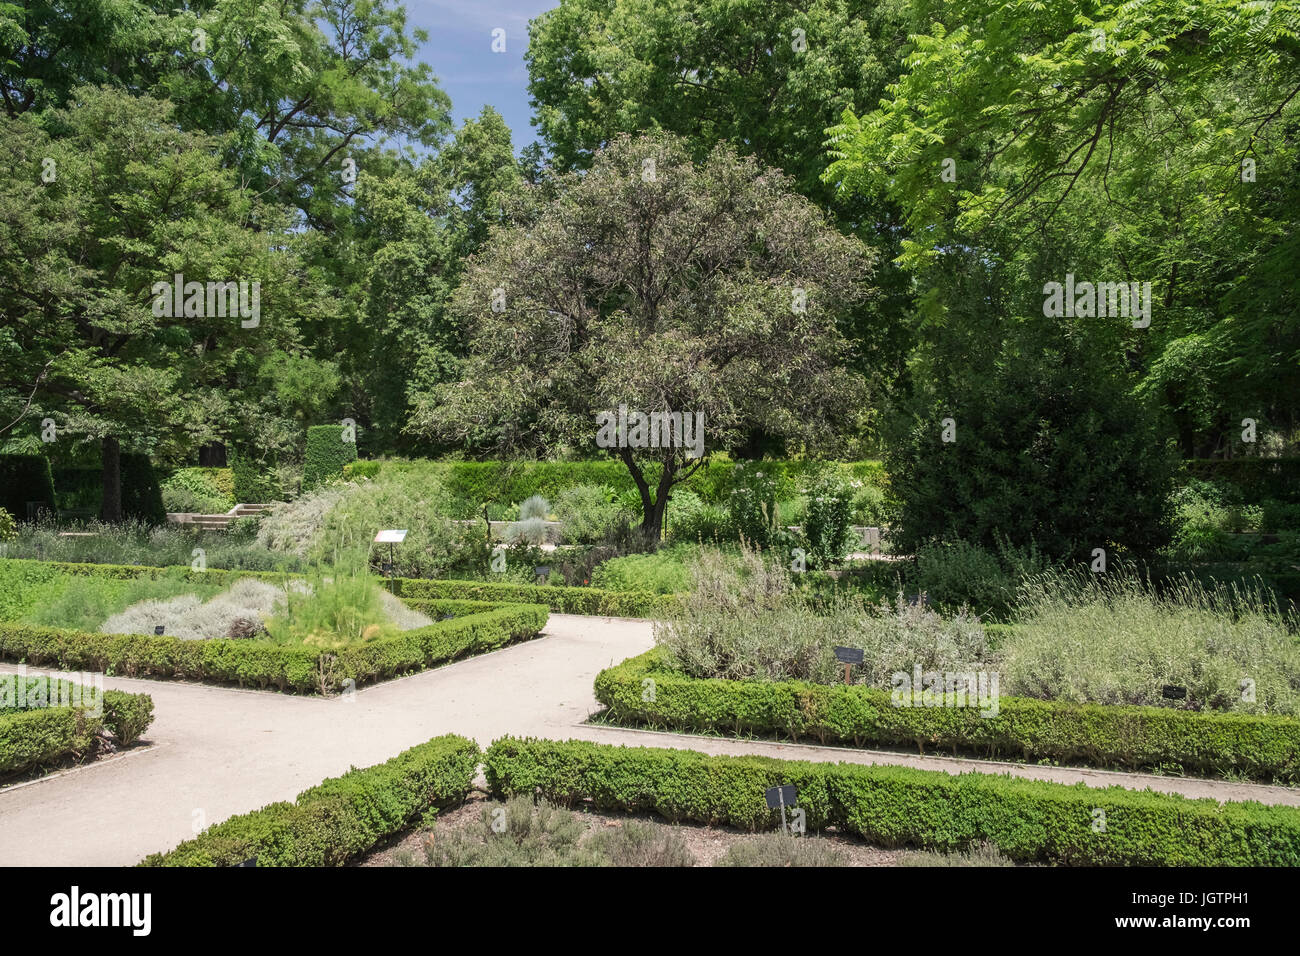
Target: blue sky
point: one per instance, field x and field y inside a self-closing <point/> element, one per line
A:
<point x="460" y="51"/>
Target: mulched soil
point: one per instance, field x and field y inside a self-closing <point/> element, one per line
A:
<point x="705" y="843"/>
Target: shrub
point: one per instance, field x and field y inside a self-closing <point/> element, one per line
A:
<point x="743" y="620"/>
<point x="534" y="507"/>
<point x="199" y="490"/>
<point x="690" y="519"/>
<point x="8" y="527"/>
<point x="520" y="833"/>
<point x="253" y="481"/>
<point x="868" y="506"/>
<point x="955" y="574"/>
<point x="826" y="523"/>
<point x="44" y="720"/>
<point x="326" y="455"/>
<point x="141" y="494"/>
<point x="35" y="738"/>
<point x="524" y="832"/>
<point x="983" y="854"/>
<point x="531" y="531"/>
<point x="753" y="504"/>
<point x="1052" y="448"/>
<point x="127" y="716"/>
<point x="293" y="527"/>
<point x="416" y="501"/>
<point x="587" y="514"/>
<point x="23" y="479"/>
<point x="1112" y="639"/>
<point x="663" y="572"/>
<point x="188" y="617"/>
<point x="1026" y="820"/>
<point x="343" y="607"/>
<point x="635" y="843"/>
<point x="341" y="818"/>
<point x="777" y="849"/>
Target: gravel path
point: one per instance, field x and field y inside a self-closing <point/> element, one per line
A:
<point x="220" y="751"/>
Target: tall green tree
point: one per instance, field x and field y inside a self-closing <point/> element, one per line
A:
<point x="765" y="78"/>
<point x="92" y="219"/>
<point x="1118" y="142"/>
<point x="665" y="286"/>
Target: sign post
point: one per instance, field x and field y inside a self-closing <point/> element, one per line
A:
<point x="782" y="796"/>
<point x="848" y="656"/>
<point x="391" y="537"/>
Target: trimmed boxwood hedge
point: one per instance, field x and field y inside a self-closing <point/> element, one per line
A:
<point x="1259" y="746"/>
<point x="332" y="823"/>
<point x="562" y="600"/>
<point x="1028" y="820"/>
<point x="326" y="454"/>
<point x="250" y="663"/>
<point x="37" y="733"/>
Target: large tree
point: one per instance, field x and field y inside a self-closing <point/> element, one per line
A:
<point x="91" y="220"/>
<point x="1116" y="141"/>
<point x="306" y="100"/>
<point x="665" y="286"/>
<point x="765" y="77"/>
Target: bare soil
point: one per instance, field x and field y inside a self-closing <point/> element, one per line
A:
<point x="705" y="843"/>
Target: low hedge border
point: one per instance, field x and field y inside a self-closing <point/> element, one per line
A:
<point x="562" y="600"/>
<point x="250" y="663"/>
<point x="342" y="817"/>
<point x="1264" y="747"/>
<point x="42" y="732"/>
<point x="465" y="627"/>
<point x="1028" y="820"/>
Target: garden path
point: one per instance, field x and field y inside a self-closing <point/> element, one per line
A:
<point x="220" y="751"/>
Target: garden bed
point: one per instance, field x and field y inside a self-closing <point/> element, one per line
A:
<point x="1258" y="746"/>
<point x="1026" y="820"/>
<point x="462" y="629"/>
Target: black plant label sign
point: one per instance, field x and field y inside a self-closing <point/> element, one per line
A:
<point x="849" y="655"/>
<point x="785" y="795"/>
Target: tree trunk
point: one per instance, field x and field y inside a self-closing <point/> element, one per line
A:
<point x="213" y="455"/>
<point x="110" y="508"/>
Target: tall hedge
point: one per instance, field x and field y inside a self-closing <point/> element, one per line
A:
<point x="141" y="492"/>
<point x="254" y="482"/>
<point x="507" y="481"/>
<point x="326" y="455"/>
<point x="25" y="478"/>
<point x="1028" y="820"/>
